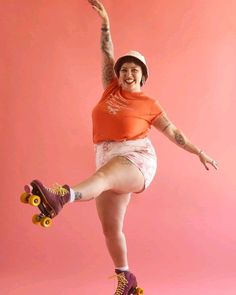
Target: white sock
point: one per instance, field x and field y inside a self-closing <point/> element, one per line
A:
<point x="123" y="268"/>
<point x="72" y="195"/>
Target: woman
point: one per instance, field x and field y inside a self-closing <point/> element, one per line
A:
<point x="126" y="160"/>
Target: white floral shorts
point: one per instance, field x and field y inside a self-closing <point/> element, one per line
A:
<point x="140" y="152"/>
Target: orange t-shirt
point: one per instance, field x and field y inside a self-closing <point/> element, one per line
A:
<point x="122" y="115"/>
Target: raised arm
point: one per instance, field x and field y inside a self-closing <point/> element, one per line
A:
<point x="163" y="124"/>
<point x="108" y="73"/>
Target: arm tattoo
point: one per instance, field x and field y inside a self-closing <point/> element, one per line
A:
<point x="106" y="44"/>
<point x="107" y="51"/>
<point x="107" y="71"/>
<point x="179" y="138"/>
<point x="166" y="127"/>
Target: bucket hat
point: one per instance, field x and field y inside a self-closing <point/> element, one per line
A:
<point x="136" y="56"/>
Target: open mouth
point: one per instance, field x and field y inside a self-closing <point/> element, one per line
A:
<point x="129" y="82"/>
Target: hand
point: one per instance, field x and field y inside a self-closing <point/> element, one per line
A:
<point x="205" y="159"/>
<point x="97" y="5"/>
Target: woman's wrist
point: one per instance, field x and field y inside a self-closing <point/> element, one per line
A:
<point x="104" y="28"/>
<point x="105" y="22"/>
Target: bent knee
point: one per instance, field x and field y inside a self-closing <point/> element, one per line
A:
<point x="100" y="174"/>
<point x="102" y="177"/>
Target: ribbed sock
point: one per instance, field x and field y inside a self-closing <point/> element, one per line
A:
<point x="122" y="268"/>
<point x="72" y="195"/>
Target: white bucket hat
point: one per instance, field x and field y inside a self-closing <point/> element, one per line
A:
<point x="136" y="55"/>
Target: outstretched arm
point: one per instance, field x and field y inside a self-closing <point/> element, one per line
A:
<point x="163" y="124"/>
<point x="108" y="73"/>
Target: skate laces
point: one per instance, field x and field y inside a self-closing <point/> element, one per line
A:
<point x="122" y="283"/>
<point x="58" y="190"/>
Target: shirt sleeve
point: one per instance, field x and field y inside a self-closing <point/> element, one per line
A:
<point x="157" y="110"/>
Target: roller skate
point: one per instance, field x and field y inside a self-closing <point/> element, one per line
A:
<point x="50" y="201"/>
<point x="127" y="284"/>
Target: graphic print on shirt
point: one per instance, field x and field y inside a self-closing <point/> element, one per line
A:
<point x="116" y="103"/>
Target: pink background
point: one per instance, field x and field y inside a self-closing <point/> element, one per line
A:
<point x="181" y="231"/>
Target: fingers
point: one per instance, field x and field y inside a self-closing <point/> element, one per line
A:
<point x="214" y="164"/>
<point x="95" y="3"/>
<point x="205" y="166"/>
<point x="205" y="159"/>
<point x="95" y="8"/>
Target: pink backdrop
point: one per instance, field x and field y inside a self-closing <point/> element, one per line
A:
<point x="181" y="231"/>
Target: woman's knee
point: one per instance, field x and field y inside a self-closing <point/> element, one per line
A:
<point x="102" y="177"/>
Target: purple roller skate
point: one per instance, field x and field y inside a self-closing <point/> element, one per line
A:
<point x="127" y="284"/>
<point x="50" y="201"/>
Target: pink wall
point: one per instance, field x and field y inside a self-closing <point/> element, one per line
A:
<point x="181" y="232"/>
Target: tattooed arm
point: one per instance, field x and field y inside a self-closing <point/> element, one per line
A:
<point x="163" y="124"/>
<point x="108" y="73"/>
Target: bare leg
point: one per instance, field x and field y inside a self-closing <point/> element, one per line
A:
<point x="118" y="175"/>
<point x="111" y="208"/>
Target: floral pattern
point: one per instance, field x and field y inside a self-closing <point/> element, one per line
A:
<point x="140" y="152"/>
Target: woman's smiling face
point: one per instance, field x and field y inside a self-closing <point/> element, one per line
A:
<point x="130" y="77"/>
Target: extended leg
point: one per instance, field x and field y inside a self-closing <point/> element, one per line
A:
<point x="118" y="175"/>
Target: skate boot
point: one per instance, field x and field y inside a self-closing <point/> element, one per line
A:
<point x="127" y="284"/>
<point x="50" y="201"/>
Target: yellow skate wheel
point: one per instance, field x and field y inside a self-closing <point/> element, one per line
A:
<point x="24" y="198"/>
<point x="36" y="219"/>
<point x="46" y="222"/>
<point x="34" y="200"/>
<point x="139" y="291"/>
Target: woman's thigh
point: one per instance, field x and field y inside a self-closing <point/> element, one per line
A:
<point x="111" y="208"/>
<point x="122" y="175"/>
